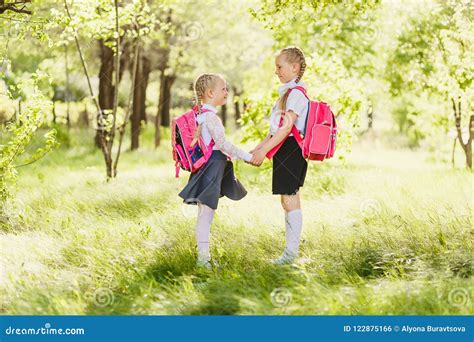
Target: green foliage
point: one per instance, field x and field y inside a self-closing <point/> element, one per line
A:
<point x="63" y="138"/>
<point x="97" y="21"/>
<point x="432" y="60"/>
<point x="19" y="135"/>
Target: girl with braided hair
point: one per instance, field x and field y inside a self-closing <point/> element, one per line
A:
<point x="289" y="166"/>
<point x="216" y="178"/>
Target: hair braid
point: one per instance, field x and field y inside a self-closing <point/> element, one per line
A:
<point x="293" y="54"/>
<point x="203" y="83"/>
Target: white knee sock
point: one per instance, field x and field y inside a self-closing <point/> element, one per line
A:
<point x="294" y="223"/>
<point x="203" y="231"/>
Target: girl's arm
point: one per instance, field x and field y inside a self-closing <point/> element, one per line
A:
<point x="217" y="131"/>
<point x="262" y="143"/>
<point x="289" y="120"/>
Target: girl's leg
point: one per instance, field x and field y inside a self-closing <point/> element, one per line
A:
<point x="203" y="232"/>
<point x="293" y="223"/>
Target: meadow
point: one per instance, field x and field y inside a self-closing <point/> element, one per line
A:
<point x="386" y="232"/>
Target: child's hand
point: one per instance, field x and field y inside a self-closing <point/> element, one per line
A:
<point x="258" y="157"/>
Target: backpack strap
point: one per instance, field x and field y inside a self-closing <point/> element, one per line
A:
<point x="302" y="89"/>
<point x="176" y="165"/>
<point x="294" y="130"/>
<point x="212" y="143"/>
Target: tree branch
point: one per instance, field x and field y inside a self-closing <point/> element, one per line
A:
<point x="130" y="97"/>
<point x="84" y="66"/>
<point x="13" y="7"/>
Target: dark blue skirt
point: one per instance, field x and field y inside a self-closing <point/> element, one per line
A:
<point x="212" y="181"/>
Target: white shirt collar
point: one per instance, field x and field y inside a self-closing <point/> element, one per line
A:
<point x="289" y="85"/>
<point x="209" y="107"/>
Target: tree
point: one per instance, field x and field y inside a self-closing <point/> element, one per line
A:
<point x="139" y="99"/>
<point x="19" y="132"/>
<point x="433" y="60"/>
<point x="134" y="21"/>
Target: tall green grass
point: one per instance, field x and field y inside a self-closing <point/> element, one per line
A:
<point x="386" y="232"/>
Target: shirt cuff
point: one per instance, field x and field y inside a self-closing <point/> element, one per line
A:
<point x="248" y="156"/>
<point x="296" y="111"/>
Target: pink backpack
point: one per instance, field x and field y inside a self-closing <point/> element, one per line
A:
<point x="319" y="140"/>
<point x="187" y="157"/>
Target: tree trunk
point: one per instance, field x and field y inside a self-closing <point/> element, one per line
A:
<point x="84" y="117"/>
<point x="165" y="98"/>
<point x="157" y="129"/>
<point x="454" y="151"/>
<point x="122" y="128"/>
<point x="224" y="114"/>
<point x="125" y="58"/>
<point x="66" y="92"/>
<point x="144" y="83"/>
<point x="469" y="156"/>
<point x="139" y="99"/>
<point x="370" y="117"/>
<point x="54" y="112"/>
<point x="106" y="87"/>
<point x="136" y="107"/>
<point x="237" y="105"/>
<point x="466" y="146"/>
<point x="111" y="134"/>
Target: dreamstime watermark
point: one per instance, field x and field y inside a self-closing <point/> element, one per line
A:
<point x="189" y="210"/>
<point x="280" y="297"/>
<point x="103" y="297"/>
<point x="281" y="120"/>
<point x="459" y="297"/>
<point x="46" y="330"/>
<point x="370" y="208"/>
<point x="9" y="31"/>
<point x="290" y="200"/>
<point x="192" y="31"/>
<point x="371" y="33"/>
<point x="12" y="210"/>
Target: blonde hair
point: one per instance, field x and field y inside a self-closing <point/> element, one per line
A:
<point x="293" y="54"/>
<point x="203" y="83"/>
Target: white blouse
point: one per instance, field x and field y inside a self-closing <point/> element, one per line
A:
<point x="296" y="102"/>
<point x="212" y="128"/>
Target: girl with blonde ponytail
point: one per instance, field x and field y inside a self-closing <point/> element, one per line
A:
<point x="289" y="166"/>
<point x="216" y="178"/>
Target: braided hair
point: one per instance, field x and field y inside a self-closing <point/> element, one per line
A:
<point x="203" y="83"/>
<point x="293" y="54"/>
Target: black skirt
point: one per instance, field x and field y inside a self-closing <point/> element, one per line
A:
<point x="289" y="168"/>
<point x="212" y="181"/>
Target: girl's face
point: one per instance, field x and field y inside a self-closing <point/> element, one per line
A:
<point x="218" y="95"/>
<point x="284" y="70"/>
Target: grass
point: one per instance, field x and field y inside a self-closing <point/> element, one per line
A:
<point x="386" y="232"/>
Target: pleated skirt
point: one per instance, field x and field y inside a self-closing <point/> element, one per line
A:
<point x="213" y="181"/>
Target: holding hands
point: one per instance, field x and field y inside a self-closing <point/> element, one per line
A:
<point x="259" y="152"/>
<point x="258" y="155"/>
